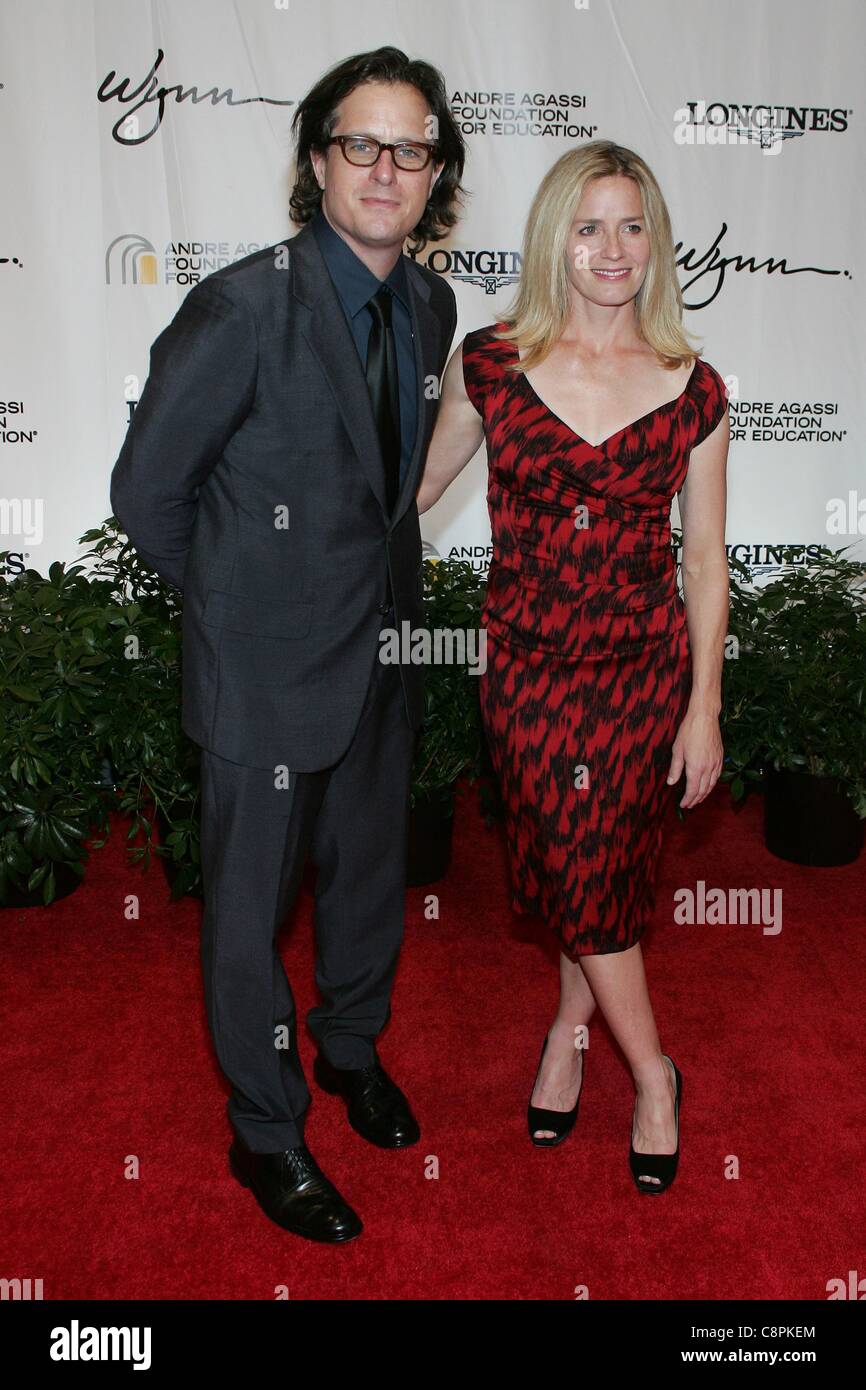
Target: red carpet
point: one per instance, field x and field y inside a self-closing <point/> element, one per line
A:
<point x="108" y="1056"/>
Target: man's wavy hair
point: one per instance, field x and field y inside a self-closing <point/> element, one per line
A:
<point x="316" y="117"/>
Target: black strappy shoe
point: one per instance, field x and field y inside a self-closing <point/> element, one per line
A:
<point x="661" y="1166"/>
<point x="560" y="1121"/>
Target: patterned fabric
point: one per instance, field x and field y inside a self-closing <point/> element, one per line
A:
<point x="588" y="662"/>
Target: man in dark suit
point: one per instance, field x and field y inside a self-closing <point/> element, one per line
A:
<point x="270" y="472"/>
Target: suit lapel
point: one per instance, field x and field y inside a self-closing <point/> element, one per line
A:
<point x="325" y="329"/>
<point x="428" y="338"/>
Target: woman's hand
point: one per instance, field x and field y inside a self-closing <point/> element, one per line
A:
<point x="697" y="747"/>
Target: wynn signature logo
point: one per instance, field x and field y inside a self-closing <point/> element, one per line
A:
<point x="716" y="264"/>
<point x="150" y="92"/>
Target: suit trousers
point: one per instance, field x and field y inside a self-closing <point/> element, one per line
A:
<point x="257" y="828"/>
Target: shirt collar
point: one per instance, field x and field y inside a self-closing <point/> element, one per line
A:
<point x="355" y="282"/>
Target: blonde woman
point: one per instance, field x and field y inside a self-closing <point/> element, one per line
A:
<point x="602" y="686"/>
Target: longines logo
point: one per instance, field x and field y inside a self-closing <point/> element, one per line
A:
<point x="13" y="562"/>
<point x="762" y="124"/>
<point x="149" y="92"/>
<point x="762" y="556"/>
<point x="133" y="260"/>
<point x="491" y="270"/>
<point x="520" y="113"/>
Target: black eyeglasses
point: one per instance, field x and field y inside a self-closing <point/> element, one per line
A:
<point x="362" y="149"/>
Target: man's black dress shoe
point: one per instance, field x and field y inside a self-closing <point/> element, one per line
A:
<point x="377" y="1108"/>
<point x="292" y="1190"/>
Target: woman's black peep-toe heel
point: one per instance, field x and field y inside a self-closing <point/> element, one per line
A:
<point x="560" y="1121"/>
<point x="661" y="1166"/>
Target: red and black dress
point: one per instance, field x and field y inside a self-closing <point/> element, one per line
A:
<point x="588" y="663"/>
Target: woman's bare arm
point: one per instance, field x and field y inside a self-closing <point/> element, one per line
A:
<point x="703" y="500"/>
<point x="698" y="745"/>
<point x="457" y="435"/>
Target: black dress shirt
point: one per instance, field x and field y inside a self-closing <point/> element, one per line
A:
<point x="355" y="285"/>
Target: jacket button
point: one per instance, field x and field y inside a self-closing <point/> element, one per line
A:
<point x="384" y="608"/>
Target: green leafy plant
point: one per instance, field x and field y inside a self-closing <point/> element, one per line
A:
<point x="90" y="679"/>
<point x="54" y="678"/>
<point x="793" y="698"/>
<point x="450" y="739"/>
<point x="156" y="766"/>
<point x="136" y="721"/>
<point x="90" y="718"/>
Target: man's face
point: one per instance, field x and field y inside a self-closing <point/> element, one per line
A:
<point x="377" y="206"/>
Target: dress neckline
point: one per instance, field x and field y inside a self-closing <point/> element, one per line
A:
<point x="602" y="445"/>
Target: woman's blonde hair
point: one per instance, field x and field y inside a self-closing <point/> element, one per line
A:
<point x="540" y="309"/>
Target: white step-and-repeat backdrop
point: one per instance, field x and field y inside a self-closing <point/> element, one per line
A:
<point x="146" y="142"/>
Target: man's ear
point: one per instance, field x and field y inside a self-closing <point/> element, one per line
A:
<point x="313" y="166"/>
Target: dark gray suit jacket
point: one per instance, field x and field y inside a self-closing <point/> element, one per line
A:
<point x="251" y="478"/>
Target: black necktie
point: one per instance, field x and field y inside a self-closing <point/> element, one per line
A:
<point x="383" y="385"/>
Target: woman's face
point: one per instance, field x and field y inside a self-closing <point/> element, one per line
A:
<point x="608" y="245"/>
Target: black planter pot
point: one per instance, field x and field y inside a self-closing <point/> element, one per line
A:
<point x="809" y="820"/>
<point x="66" y="881"/>
<point x="431" y="828"/>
